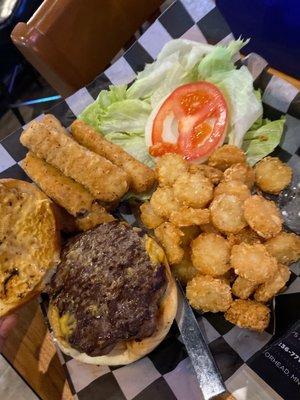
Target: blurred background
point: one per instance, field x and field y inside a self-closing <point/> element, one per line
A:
<point x="46" y="42"/>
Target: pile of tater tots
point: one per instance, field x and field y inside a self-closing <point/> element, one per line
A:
<point x="222" y="238"/>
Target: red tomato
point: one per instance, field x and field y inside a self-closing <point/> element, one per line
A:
<point x="201" y="114"/>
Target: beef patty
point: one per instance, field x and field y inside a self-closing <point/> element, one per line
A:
<point x="107" y="282"/>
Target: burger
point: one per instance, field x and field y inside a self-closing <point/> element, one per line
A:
<point x="112" y="297"/>
<point x="29" y="243"/>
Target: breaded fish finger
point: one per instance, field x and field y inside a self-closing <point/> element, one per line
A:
<point x="141" y="177"/>
<point x="63" y="190"/>
<point x="103" y="179"/>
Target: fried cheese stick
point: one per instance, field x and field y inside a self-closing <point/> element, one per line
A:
<point x="65" y="192"/>
<point x="50" y="121"/>
<point x="142" y="177"/>
<point x="104" y="180"/>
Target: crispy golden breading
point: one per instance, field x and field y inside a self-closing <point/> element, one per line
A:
<point x="184" y="270"/>
<point x="227" y="214"/>
<point x="53" y="123"/>
<point x="246" y="235"/>
<point x="243" y="288"/>
<point x="96" y="216"/>
<point x="206" y="293"/>
<point x="240" y="172"/>
<point x="213" y="174"/>
<point x="253" y="262"/>
<point x="189" y="234"/>
<point x="148" y="216"/>
<point x="273" y="285"/>
<point x="163" y="202"/>
<point x="170" y="238"/>
<point x="272" y="175"/>
<point x="103" y="179"/>
<point x="248" y="314"/>
<point x="187" y="216"/>
<point x="211" y="254"/>
<point x="285" y="247"/>
<point x="263" y="216"/>
<point x="236" y="188"/>
<point x="225" y="156"/>
<point x="141" y="177"/>
<point x="169" y="167"/>
<point x="193" y="190"/>
<point x="64" y="191"/>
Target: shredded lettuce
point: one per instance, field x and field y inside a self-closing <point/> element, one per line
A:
<point x="134" y="144"/>
<point x="260" y="142"/>
<point x="121" y="113"/>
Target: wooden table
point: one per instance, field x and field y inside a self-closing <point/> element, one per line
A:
<point x="30" y="349"/>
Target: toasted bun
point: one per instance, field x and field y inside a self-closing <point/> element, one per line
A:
<point x="130" y="350"/>
<point x="29" y="242"/>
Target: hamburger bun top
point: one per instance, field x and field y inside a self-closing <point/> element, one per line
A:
<point x="29" y="242"/>
<point x="67" y="324"/>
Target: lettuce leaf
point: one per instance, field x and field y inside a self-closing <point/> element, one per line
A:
<point x="174" y="66"/>
<point x="260" y="142"/>
<point x="114" y="112"/>
<point x="244" y="107"/>
<point x="121" y="113"/>
<point x="134" y="144"/>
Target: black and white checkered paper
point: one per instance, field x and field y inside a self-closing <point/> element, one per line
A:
<point x="166" y="373"/>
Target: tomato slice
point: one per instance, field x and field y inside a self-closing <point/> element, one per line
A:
<point x="200" y="111"/>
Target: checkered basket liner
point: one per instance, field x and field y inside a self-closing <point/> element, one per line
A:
<point x="166" y="373"/>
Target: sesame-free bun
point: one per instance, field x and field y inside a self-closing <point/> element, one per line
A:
<point x="29" y="242"/>
<point x="129" y="351"/>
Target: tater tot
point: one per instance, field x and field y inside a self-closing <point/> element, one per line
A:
<point x="253" y="262"/>
<point x="206" y="293"/>
<point x="225" y="156"/>
<point x="272" y="175"/>
<point x="213" y="174"/>
<point x="240" y="172"/>
<point x="211" y="254"/>
<point x="227" y="213"/>
<point x="285" y="247"/>
<point x="246" y="235"/>
<point x="169" y="167"/>
<point x="187" y="216"/>
<point x="243" y="288"/>
<point x="236" y="188"/>
<point x="273" y="285"/>
<point x="163" y="202"/>
<point x="248" y="314"/>
<point x="189" y="234"/>
<point x="184" y="270"/>
<point x="193" y="190"/>
<point x="170" y="238"/>
<point x="263" y="216"/>
<point x="148" y="217"/>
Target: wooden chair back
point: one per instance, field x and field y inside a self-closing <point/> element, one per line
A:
<point x="71" y="41"/>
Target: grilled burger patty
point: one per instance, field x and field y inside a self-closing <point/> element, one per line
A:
<point x="107" y="288"/>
